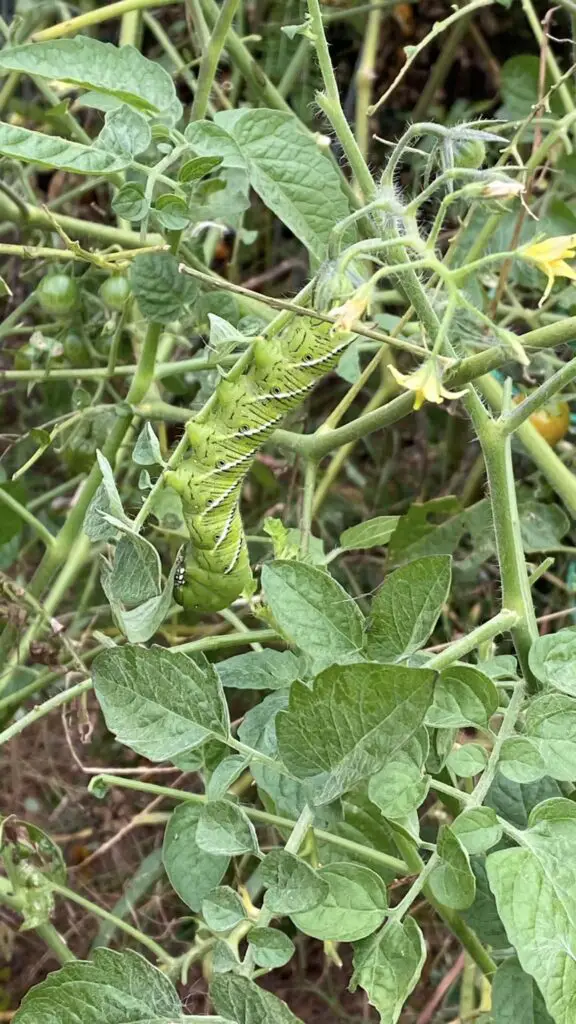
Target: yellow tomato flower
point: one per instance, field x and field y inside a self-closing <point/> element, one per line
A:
<point x="550" y="257"/>
<point x="426" y="382"/>
<point x="352" y="310"/>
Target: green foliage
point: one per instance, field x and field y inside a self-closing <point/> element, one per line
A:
<point x="114" y="988"/>
<point x="314" y="612"/>
<point x="158" y="287"/>
<point x="158" y="703"/>
<point x="50" y="151"/>
<point x="353" y="908"/>
<point x="193" y="873"/>
<point x="388" y="966"/>
<point x="406" y="608"/>
<point x="357" y="738"/>
<point x="344" y="663"/>
<point x="120" y="72"/>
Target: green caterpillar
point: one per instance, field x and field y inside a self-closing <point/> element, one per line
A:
<point x="245" y="412"/>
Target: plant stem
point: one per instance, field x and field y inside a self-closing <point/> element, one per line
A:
<point x="26" y="515"/>
<point x="509" y="720"/>
<point x="292" y="845"/>
<point x="294" y="307"/>
<point x="117" y="922"/>
<point x="501" y="623"/>
<point x="218" y="643"/>
<point x="367" y="852"/>
<point x="210" y="58"/>
<point x="47" y="932"/>
<point x="331" y="105"/>
<point x="471" y="368"/>
<point x="43" y="680"/>
<point x="338" y="460"/>
<point x="307" y="516"/>
<point x="106" y="234"/>
<point x="365" y="77"/>
<point x="553" y="69"/>
<point x="560" y="478"/>
<point x="441" y="67"/>
<point x="516" y="593"/>
<point x="95" y="17"/>
<point x="538" y="398"/>
<point x="437" y="29"/>
<point x="60" y="550"/>
<point x="195" y="365"/>
<point x="64" y="697"/>
<point x="294" y="69"/>
<point x="240" y="54"/>
<point x="457" y="926"/>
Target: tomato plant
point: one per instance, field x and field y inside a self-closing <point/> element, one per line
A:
<point x="115" y="291"/>
<point x="58" y="294"/>
<point x="286" y="576"/>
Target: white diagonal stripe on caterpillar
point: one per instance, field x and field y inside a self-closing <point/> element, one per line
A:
<point x="227" y="528"/>
<point x="236" y="555"/>
<point x="227" y="466"/>
<point x="281" y="395"/>
<point x="222" y="497"/>
<point x="321" y="359"/>
<point x="257" y="430"/>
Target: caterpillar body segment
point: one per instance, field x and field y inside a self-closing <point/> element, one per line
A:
<point x="224" y="441"/>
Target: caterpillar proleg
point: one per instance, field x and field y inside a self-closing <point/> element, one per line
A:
<point x="279" y="375"/>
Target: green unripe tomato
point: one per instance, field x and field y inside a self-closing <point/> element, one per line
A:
<point x="23" y="358"/>
<point x="58" y="294"/>
<point x="115" y="291"/>
<point x="75" y="349"/>
<point x="469" y="153"/>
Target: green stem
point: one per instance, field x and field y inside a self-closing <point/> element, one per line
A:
<point x="307" y="516"/>
<point x="300" y="310"/>
<point x="43" y="680"/>
<point x="195" y="365"/>
<point x="292" y="845"/>
<point x="64" y="697"/>
<point x="516" y="593"/>
<point x="367" y="852"/>
<point x="457" y="926"/>
<point x="551" y="63"/>
<point x="117" y="922"/>
<point x="365" y="76"/>
<point x="441" y="67"/>
<point x="330" y="104"/>
<point x="46" y="931"/>
<point x="294" y="69"/>
<point x="95" y="17"/>
<point x="211" y="57"/>
<point x="438" y="28"/>
<point x="218" y="643"/>
<point x="60" y="550"/>
<point x="240" y="54"/>
<point x="509" y="720"/>
<point x="501" y="623"/>
<point x="26" y="515"/>
<point x="105" y="234"/>
<point x="560" y="478"/>
<point x="471" y="368"/>
<point x="514" y="419"/>
<point x="47" y="496"/>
